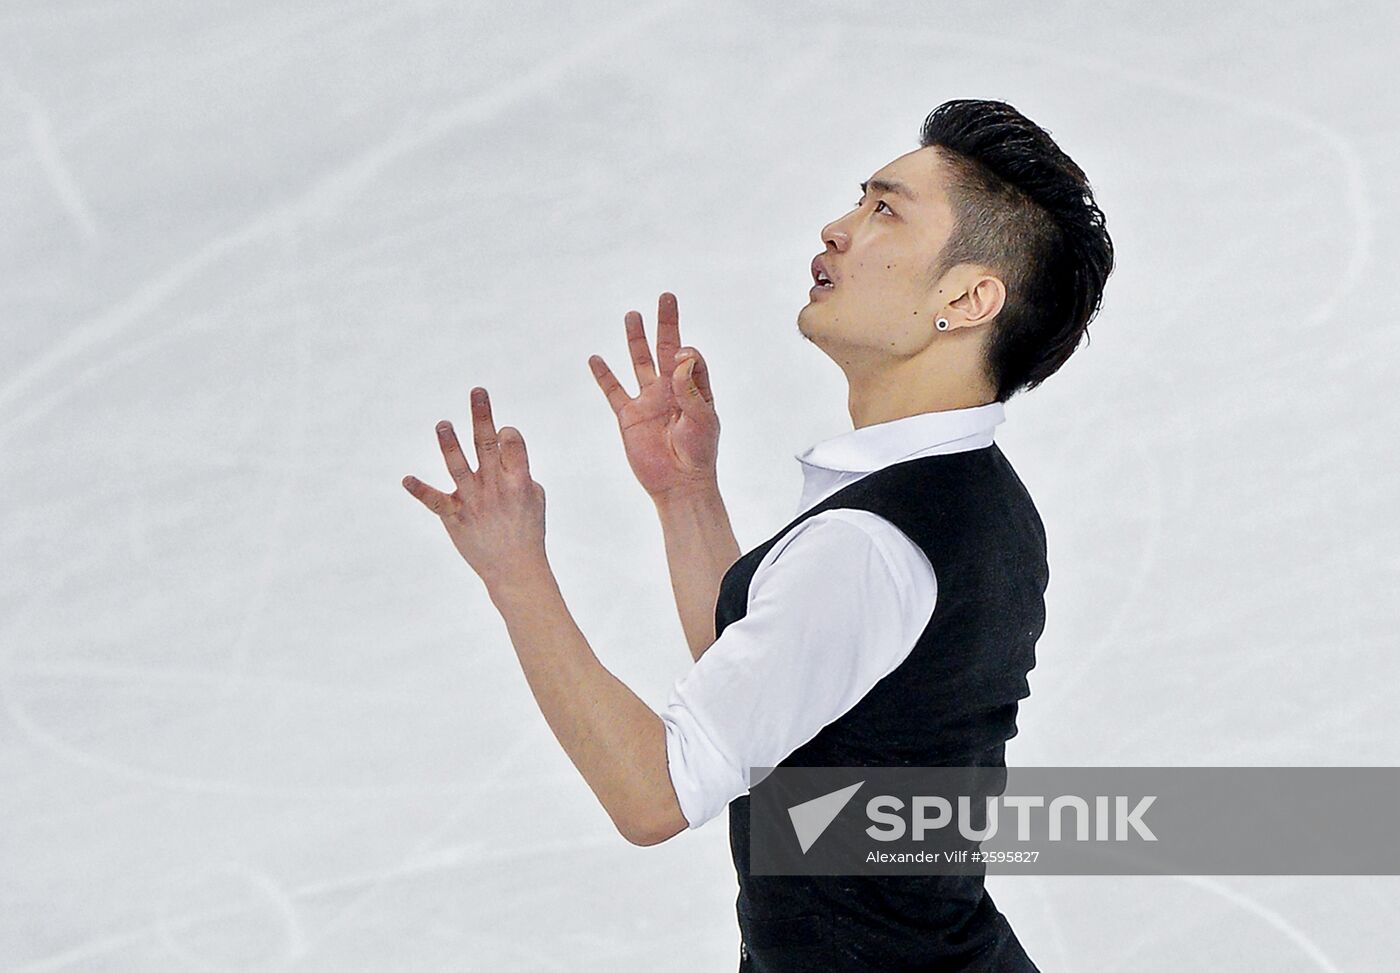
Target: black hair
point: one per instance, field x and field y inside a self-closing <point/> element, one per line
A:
<point x="1023" y="208"/>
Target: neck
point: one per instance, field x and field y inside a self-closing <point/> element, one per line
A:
<point x="895" y="389"/>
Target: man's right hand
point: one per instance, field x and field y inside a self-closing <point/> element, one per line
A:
<point x="670" y="430"/>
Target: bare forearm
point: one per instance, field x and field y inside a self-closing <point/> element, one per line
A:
<point x="700" y="548"/>
<point x="616" y="741"/>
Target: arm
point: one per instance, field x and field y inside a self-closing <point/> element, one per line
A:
<point x="612" y="737"/>
<point x="836" y="605"/>
<point x="841" y="614"/>
<point x="670" y="433"/>
<point x="495" y="519"/>
<point x="700" y="548"/>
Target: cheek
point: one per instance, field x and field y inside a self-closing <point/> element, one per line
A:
<point x="883" y="282"/>
<point x="870" y="274"/>
<point x="885" y="269"/>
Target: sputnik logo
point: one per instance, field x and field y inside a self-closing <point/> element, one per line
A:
<point x="811" y="818"/>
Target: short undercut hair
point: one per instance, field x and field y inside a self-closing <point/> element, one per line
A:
<point x="1024" y="209"/>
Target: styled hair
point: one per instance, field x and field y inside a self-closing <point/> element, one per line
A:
<point x="1023" y="208"/>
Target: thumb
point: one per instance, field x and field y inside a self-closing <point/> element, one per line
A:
<point x="514" y="457"/>
<point x="687" y="381"/>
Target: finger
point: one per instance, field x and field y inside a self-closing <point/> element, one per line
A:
<point x="699" y="374"/>
<point x="617" y="396"/>
<point x="488" y="454"/>
<point x="687" y="394"/>
<point x="642" y="364"/>
<point x="668" y="329"/>
<point x="452" y="453"/>
<point x="439" y="503"/>
<point x="514" y="459"/>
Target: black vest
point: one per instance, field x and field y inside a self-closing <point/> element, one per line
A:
<point x="952" y="702"/>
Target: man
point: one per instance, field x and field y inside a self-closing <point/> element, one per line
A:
<point x="893" y="622"/>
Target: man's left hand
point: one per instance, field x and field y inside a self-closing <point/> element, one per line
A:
<point x="495" y="517"/>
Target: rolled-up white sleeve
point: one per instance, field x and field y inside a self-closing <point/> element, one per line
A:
<point x="834" y="607"/>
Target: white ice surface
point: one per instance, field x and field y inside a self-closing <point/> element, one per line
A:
<point x="255" y="711"/>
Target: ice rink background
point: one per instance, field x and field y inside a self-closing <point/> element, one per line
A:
<point x="255" y="711"/>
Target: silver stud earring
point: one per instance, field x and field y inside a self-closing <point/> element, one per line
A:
<point x="941" y="324"/>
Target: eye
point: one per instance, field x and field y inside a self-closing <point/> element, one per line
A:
<point x="877" y="205"/>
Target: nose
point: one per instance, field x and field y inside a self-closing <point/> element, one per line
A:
<point x="833" y="234"/>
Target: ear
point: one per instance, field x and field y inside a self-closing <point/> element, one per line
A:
<point x="983" y="299"/>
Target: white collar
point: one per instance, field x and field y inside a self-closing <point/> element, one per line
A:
<point x="876" y="446"/>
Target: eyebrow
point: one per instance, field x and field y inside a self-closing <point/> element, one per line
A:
<point x="886" y="186"/>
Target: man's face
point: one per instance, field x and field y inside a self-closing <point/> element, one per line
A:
<point x="878" y="256"/>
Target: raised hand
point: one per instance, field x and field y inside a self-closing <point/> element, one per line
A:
<point x="495" y="516"/>
<point x="670" y="430"/>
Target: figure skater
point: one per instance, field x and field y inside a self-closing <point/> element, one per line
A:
<point x="893" y="621"/>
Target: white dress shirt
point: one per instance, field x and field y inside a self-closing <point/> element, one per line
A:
<point x="834" y="607"/>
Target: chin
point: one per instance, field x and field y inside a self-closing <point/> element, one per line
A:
<point x="801" y="322"/>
